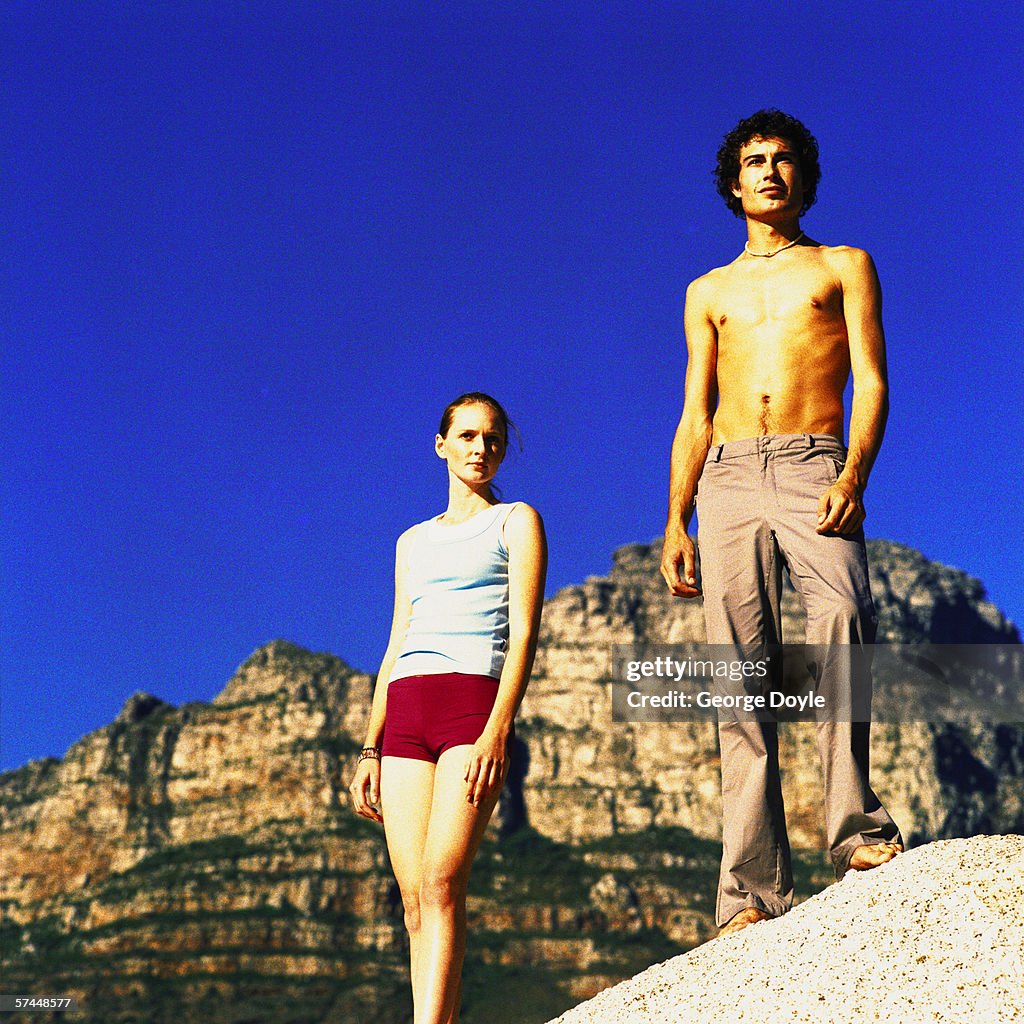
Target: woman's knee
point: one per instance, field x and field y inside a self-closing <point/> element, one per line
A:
<point x="441" y="890"/>
<point x="411" y="907"/>
<point x="412" y="918"/>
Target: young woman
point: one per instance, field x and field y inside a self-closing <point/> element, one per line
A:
<point x="469" y="586"/>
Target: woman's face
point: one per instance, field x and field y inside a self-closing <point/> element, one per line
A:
<point x="474" y="445"/>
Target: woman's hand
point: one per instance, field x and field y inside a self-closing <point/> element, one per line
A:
<point x="486" y="765"/>
<point x="365" y="789"/>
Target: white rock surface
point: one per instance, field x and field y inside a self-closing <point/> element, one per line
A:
<point x="936" y="935"/>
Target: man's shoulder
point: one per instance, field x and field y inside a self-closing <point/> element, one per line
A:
<point x="707" y="284"/>
<point x="852" y="267"/>
<point x="846" y="256"/>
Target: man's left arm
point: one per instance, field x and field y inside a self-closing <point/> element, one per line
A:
<point x="841" y="508"/>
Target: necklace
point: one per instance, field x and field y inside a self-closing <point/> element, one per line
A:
<point x="774" y="252"/>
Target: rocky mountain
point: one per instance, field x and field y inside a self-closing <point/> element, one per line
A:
<point x="200" y="863"/>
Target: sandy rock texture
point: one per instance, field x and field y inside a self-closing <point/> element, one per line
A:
<point x="935" y="936"/>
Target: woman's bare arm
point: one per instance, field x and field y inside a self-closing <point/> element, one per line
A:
<point x="527" y="568"/>
<point x="365" y="787"/>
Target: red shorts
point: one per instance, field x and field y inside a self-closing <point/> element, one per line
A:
<point x="428" y="714"/>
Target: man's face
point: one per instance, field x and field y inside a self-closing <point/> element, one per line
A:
<point x="769" y="182"/>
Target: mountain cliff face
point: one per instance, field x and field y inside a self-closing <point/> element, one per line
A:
<point x="179" y="855"/>
<point x="201" y="864"/>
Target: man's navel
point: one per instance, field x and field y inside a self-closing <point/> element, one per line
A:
<point x="766" y="404"/>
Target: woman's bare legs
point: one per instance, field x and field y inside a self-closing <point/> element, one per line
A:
<point x="433" y="834"/>
<point x="407" y="788"/>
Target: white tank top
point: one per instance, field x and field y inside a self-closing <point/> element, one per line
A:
<point x="457" y="577"/>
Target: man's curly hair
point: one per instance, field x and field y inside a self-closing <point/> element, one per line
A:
<point x="767" y="124"/>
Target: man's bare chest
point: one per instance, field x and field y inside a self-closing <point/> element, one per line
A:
<point x="749" y="299"/>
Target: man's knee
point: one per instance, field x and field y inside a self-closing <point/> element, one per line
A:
<point x="844" y="619"/>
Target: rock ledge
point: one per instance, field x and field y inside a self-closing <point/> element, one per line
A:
<point x="936" y="935"/>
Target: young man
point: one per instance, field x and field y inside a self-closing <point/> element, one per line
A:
<point x="772" y="339"/>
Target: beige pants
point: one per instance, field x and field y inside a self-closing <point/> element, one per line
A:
<point x="757" y="509"/>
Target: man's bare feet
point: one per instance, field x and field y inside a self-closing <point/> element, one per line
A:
<point x="870" y="856"/>
<point x="749" y="916"/>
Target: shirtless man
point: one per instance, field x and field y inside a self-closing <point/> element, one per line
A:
<point x="772" y="339"/>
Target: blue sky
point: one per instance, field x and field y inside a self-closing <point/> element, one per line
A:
<point x="253" y="249"/>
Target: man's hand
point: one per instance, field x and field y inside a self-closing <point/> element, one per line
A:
<point x="678" y="547"/>
<point x="840" y="509"/>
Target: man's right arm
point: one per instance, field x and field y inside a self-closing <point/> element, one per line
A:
<point x="692" y="440"/>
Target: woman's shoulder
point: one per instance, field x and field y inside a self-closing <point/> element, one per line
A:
<point x="520" y="509"/>
<point x="522" y="522"/>
<point x="406" y="538"/>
